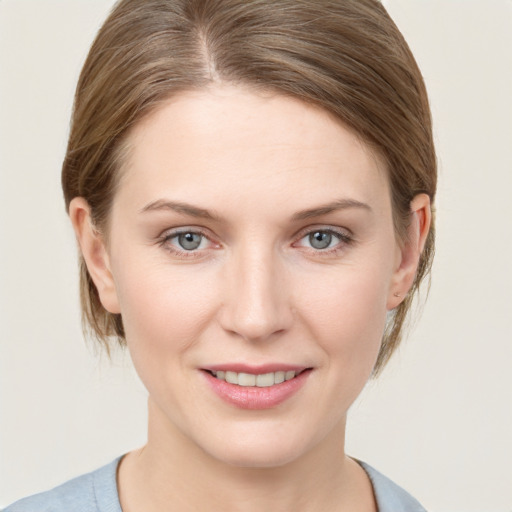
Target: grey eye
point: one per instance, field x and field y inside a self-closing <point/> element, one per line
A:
<point x="190" y="241"/>
<point x="320" y="239"/>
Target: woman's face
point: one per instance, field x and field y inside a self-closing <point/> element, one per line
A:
<point x="251" y="236"/>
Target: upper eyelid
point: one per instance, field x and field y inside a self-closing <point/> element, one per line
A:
<point x="337" y="230"/>
<point x="172" y="232"/>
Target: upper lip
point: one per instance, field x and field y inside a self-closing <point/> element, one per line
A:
<point x="258" y="369"/>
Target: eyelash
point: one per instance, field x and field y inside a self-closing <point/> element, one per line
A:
<point x="165" y="242"/>
<point x="344" y="240"/>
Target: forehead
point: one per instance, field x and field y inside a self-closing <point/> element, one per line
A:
<point x="232" y="144"/>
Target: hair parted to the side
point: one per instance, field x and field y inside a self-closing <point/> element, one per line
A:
<point x="345" y="56"/>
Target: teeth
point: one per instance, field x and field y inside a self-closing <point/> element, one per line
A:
<point x="232" y="377"/>
<point x="246" y="379"/>
<point x="263" y="380"/>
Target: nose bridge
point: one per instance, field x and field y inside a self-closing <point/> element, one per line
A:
<point x="256" y="305"/>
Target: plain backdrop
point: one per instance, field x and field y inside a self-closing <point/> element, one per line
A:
<point x="438" y="421"/>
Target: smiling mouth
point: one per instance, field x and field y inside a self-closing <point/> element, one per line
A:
<point x="262" y="380"/>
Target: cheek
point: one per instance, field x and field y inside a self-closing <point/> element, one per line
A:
<point x="346" y="310"/>
<point x="163" y="308"/>
<point x="345" y="315"/>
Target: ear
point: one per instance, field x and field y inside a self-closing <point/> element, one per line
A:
<point x="408" y="254"/>
<point x="95" y="253"/>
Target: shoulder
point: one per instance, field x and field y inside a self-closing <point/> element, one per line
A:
<point x="93" y="492"/>
<point x="390" y="497"/>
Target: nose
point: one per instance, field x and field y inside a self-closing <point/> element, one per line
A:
<point x="256" y="304"/>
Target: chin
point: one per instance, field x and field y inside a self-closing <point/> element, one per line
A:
<point x="259" y="448"/>
<point x="263" y="457"/>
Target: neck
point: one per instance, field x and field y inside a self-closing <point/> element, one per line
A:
<point x="172" y="473"/>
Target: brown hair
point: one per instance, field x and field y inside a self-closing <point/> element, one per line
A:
<point x="346" y="56"/>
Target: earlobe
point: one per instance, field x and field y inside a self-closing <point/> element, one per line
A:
<point x="94" y="252"/>
<point x="411" y="249"/>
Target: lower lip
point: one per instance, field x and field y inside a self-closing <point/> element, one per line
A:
<point x="252" y="397"/>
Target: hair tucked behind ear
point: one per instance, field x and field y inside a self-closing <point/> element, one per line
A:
<point x="346" y="56"/>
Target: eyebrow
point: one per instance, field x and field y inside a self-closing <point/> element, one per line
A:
<point x="179" y="207"/>
<point x="340" y="204"/>
<point x="195" y="211"/>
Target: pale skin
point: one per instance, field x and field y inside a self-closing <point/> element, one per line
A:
<point x="290" y="257"/>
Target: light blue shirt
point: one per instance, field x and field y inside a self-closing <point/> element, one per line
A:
<point x="97" y="492"/>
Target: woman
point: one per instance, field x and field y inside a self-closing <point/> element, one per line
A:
<point x="251" y="186"/>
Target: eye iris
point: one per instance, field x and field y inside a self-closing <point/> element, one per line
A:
<point x="189" y="241"/>
<point x="320" y="239"/>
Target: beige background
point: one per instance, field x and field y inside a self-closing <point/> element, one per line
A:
<point x="439" y="420"/>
